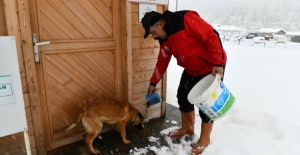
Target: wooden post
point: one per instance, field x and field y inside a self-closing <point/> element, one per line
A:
<point x="27" y="142"/>
<point x="129" y="52"/>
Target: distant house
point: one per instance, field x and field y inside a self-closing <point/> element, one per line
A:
<point x="229" y="31"/>
<point x="271" y="31"/>
<point x="293" y="36"/>
<point x="252" y="35"/>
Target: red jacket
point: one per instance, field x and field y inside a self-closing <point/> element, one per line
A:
<point x="192" y="41"/>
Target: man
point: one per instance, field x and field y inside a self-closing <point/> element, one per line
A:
<point x="198" y="49"/>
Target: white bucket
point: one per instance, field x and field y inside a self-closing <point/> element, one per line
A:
<point x="212" y="97"/>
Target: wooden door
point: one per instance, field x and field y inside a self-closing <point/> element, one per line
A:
<point x="83" y="61"/>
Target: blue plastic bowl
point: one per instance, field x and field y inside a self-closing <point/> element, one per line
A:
<point x="154" y="98"/>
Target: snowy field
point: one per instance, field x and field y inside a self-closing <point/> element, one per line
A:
<point x="265" y="120"/>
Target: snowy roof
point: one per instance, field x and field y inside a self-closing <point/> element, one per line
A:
<point x="293" y="33"/>
<point x="270" y="30"/>
<point x="227" y="27"/>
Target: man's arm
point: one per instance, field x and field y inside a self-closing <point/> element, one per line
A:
<point x="162" y="63"/>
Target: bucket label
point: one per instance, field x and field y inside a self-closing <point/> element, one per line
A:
<point x="206" y="109"/>
<point x="228" y="105"/>
<point x="220" y="102"/>
<point x="215" y="101"/>
<point x="222" y="85"/>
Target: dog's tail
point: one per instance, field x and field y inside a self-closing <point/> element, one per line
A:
<point x="79" y="118"/>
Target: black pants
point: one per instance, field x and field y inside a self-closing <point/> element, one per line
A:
<point x="187" y="82"/>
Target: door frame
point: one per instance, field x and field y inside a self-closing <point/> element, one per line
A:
<point x="27" y="10"/>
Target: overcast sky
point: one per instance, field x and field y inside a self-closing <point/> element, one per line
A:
<point x="219" y="5"/>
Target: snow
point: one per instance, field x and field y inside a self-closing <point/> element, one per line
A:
<point x="270" y="30"/>
<point x="227" y="27"/>
<point x="250" y="15"/>
<point x="265" y="118"/>
<point x="293" y="33"/>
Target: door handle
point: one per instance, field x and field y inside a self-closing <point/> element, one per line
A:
<point x="36" y="45"/>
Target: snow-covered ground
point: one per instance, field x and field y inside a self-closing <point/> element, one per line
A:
<point x="265" y="120"/>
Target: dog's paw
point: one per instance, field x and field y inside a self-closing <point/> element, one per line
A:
<point x="95" y="151"/>
<point x="126" y="141"/>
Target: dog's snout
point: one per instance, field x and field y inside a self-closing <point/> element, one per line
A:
<point x="140" y="126"/>
<point x="141" y="116"/>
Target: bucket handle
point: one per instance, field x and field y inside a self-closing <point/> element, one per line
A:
<point x="218" y="76"/>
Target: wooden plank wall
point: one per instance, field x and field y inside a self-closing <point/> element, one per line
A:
<point x="144" y="57"/>
<point x="3" y="31"/>
<point x="10" y="26"/>
<point x="143" y="54"/>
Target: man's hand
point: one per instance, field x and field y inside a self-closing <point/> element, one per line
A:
<point x="151" y="89"/>
<point x="217" y="69"/>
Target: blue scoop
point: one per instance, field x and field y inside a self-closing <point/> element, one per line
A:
<point x="152" y="99"/>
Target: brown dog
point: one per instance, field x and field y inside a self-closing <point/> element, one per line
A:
<point x="112" y="112"/>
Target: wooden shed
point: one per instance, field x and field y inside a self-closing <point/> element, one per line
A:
<point x="96" y="50"/>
